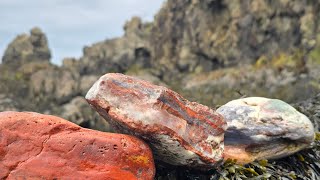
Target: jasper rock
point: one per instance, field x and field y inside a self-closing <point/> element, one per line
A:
<point x="179" y="132"/>
<point x="36" y="146"/>
<point x="261" y="128"/>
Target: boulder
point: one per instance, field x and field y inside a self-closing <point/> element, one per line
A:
<point x="261" y="128"/>
<point x="36" y="146"/>
<point x="179" y="132"/>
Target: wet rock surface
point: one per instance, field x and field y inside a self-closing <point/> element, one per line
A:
<point x="261" y="128"/>
<point x="179" y="132"/>
<point x="37" y="146"/>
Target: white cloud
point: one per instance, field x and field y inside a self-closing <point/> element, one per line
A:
<point x="71" y="24"/>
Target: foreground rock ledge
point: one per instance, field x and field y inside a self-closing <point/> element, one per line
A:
<point x="179" y="132"/>
<point x="36" y="146"/>
<point x="261" y="128"/>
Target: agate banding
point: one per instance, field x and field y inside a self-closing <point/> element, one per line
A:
<point x="179" y="132"/>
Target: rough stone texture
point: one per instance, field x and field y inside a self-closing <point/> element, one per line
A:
<point x="261" y="128"/>
<point x="202" y="35"/>
<point x="147" y="75"/>
<point x="180" y="132"/>
<point x="7" y="104"/>
<point x="301" y="165"/>
<point x="27" y="48"/>
<point x="36" y="146"/>
<point x="60" y="83"/>
<point x="86" y="82"/>
<point x="29" y="82"/>
<point x="186" y="39"/>
<point x="118" y="54"/>
<point x="218" y="87"/>
<point x="79" y="112"/>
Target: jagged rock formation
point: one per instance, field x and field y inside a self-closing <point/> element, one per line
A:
<point x="210" y="51"/>
<point x="119" y="54"/>
<point x="202" y="35"/>
<point x="29" y="82"/>
<point x="27" y="48"/>
<point x="187" y="47"/>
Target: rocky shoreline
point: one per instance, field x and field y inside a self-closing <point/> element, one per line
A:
<point x="180" y="133"/>
<point x="208" y="51"/>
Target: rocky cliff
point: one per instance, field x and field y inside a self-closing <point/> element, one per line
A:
<point x="24" y="49"/>
<point x="211" y="51"/>
<point x="203" y="35"/>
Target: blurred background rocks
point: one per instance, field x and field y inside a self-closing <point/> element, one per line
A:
<point x="210" y="51"/>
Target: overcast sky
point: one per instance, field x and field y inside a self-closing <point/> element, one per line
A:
<point x="69" y="24"/>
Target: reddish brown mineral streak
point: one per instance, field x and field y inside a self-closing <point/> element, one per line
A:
<point x="173" y="112"/>
<point x="194" y="116"/>
<point x="41" y="146"/>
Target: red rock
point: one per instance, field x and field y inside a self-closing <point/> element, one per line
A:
<point x="179" y="132"/>
<point x="36" y="146"/>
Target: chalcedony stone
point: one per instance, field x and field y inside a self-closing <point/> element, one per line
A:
<point x="261" y="128"/>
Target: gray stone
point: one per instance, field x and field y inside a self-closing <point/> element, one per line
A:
<point x="261" y="128"/>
